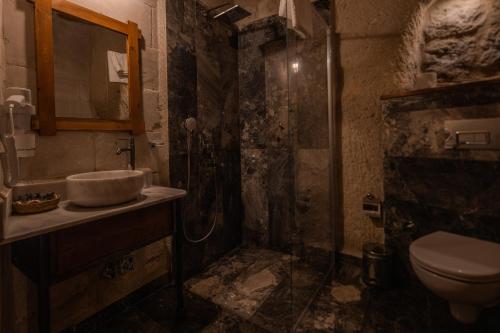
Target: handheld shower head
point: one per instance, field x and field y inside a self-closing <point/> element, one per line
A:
<point x="190" y="124"/>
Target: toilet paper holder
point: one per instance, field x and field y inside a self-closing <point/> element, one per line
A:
<point x="372" y="207"/>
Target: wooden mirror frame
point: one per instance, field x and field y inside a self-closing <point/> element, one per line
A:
<point x="46" y="121"/>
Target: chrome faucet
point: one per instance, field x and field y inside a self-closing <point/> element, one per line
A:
<point x="130" y="149"/>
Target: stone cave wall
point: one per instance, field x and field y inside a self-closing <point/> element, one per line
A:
<point x="370" y="36"/>
<point x="77" y="152"/>
<point x="2" y="60"/>
<point x="462" y="40"/>
<point x="91" y="151"/>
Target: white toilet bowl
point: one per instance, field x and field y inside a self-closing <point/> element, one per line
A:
<point x="463" y="270"/>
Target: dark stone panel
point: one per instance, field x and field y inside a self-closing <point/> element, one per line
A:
<point x="428" y="188"/>
<point x="181" y="97"/>
<point x="252" y="79"/>
<point x="230" y="234"/>
<point x="427" y="195"/>
<point x="346" y="305"/>
<point x="407" y="221"/>
<point x="279" y="112"/>
<point x="422" y="133"/>
<point x="480" y="93"/>
<point x="215" y="195"/>
<point x="309" y="88"/>
<point x="466" y="187"/>
<point x="323" y="8"/>
<point x="217" y="64"/>
<point x="281" y="198"/>
<point x="203" y="83"/>
<point x="182" y="68"/>
<point x="278" y="123"/>
<point x="255" y="187"/>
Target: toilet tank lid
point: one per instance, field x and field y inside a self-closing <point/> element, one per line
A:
<point x="458" y="256"/>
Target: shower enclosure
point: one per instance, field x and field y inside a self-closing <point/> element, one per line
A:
<point x="260" y="157"/>
<point x="309" y="125"/>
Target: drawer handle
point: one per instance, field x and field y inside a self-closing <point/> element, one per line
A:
<point x="116" y="268"/>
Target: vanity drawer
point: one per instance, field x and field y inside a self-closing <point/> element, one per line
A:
<point x="73" y="250"/>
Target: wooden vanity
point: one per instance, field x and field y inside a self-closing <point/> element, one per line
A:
<point x="57" y="245"/>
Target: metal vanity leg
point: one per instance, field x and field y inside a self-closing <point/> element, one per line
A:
<point x="43" y="286"/>
<point x="177" y="252"/>
<point x="7" y="299"/>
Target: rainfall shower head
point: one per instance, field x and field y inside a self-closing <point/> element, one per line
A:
<point x="229" y="12"/>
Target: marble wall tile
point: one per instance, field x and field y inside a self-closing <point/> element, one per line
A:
<point x="428" y="188"/>
<point x="252" y="74"/>
<point x="310" y="88"/>
<point x="203" y="83"/>
<point x="181" y="97"/>
<point x="254" y="173"/>
<point x="313" y="199"/>
<point x="277" y="97"/>
<point x="230" y="235"/>
<point x="281" y="194"/>
<point x="422" y="133"/>
<point x="281" y="112"/>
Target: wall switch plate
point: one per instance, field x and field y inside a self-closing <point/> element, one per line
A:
<point x="473" y="134"/>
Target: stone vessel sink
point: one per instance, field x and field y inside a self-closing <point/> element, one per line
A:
<point x="104" y="188"/>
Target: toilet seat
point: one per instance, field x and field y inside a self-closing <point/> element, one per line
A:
<point x="458" y="257"/>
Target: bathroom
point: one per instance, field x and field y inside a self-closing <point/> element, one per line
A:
<point x="250" y="166"/>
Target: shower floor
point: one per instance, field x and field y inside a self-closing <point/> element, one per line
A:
<point x="259" y="286"/>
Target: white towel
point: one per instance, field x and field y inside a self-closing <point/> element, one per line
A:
<point x="299" y="14"/>
<point x="118" y="67"/>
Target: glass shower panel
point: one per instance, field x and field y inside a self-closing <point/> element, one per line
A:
<point x="308" y="123"/>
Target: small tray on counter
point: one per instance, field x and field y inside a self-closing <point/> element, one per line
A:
<point x="34" y="205"/>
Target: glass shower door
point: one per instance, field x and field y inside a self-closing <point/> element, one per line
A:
<point x="308" y="108"/>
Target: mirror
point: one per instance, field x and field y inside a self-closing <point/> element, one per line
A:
<point x="90" y="70"/>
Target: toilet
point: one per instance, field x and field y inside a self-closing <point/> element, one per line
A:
<point x="465" y="271"/>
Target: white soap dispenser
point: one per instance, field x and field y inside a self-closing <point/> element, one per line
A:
<point x="20" y="109"/>
<point x="16" y="134"/>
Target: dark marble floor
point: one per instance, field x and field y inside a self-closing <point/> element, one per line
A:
<point x="347" y="305"/>
<point x="266" y="288"/>
<point x="253" y="291"/>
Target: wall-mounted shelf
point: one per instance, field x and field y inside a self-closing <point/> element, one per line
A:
<point x="454" y="96"/>
<point x="443" y="89"/>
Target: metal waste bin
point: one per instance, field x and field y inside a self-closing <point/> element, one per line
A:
<point x="377" y="265"/>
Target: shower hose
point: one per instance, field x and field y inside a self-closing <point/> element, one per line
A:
<point x="188" y="237"/>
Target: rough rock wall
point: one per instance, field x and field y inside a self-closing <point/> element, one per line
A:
<point x="370" y="34"/>
<point x="2" y="57"/>
<point x="462" y="40"/>
<point x="79" y="151"/>
<point x="84" y="151"/>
